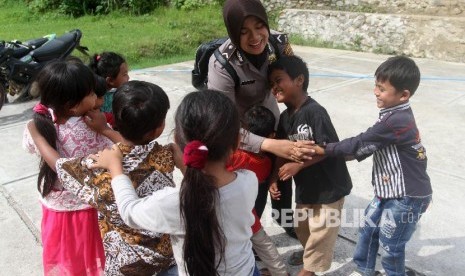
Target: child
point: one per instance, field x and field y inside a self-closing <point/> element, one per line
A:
<point x="259" y="120"/>
<point x="101" y="91"/>
<point x="321" y="183"/>
<point x="129" y="251"/>
<point x="114" y="69"/>
<point x="402" y="186"/>
<point x="70" y="235"/>
<point x="209" y="218"/>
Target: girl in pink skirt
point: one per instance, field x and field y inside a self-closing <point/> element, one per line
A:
<point x="70" y="234"/>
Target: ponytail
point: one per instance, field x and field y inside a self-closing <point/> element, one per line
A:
<point x="198" y="200"/>
<point x="43" y="120"/>
<point x="207" y="129"/>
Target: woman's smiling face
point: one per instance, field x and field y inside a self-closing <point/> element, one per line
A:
<point x="254" y="36"/>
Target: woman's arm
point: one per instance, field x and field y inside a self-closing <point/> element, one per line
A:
<point x="295" y="151"/>
<point x="48" y="153"/>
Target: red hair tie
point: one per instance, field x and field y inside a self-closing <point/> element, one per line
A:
<point x="195" y="155"/>
<point x="98" y="57"/>
<point x="39" y="108"/>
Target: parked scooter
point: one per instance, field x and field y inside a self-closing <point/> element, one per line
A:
<point x="20" y="62"/>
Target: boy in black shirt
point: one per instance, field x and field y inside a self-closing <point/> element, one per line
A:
<point x="321" y="183"/>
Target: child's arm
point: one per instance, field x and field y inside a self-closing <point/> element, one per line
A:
<point x="142" y="213"/>
<point x="273" y="189"/>
<point x="366" y="143"/>
<point x="97" y="121"/>
<point x="48" y="153"/>
<point x="321" y="151"/>
<point x="290" y="169"/>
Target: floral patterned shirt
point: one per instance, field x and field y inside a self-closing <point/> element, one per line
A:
<point x="128" y="251"/>
<point x="75" y="139"/>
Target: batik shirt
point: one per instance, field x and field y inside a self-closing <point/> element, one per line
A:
<point x="128" y="251"/>
<point x="75" y="139"/>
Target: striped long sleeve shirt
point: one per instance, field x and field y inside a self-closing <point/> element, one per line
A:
<point x="399" y="158"/>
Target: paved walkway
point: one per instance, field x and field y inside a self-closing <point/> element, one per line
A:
<point x="342" y="82"/>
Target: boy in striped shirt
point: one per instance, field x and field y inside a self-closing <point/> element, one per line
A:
<point x="401" y="185"/>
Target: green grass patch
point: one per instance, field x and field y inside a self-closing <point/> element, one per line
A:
<point x="167" y="35"/>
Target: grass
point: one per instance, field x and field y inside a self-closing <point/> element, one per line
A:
<point x="165" y="36"/>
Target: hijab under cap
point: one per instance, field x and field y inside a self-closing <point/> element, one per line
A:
<point x="235" y="12"/>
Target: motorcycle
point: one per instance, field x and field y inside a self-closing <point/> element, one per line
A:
<point x="20" y="62"/>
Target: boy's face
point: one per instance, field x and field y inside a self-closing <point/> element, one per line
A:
<point x="283" y="87"/>
<point x="387" y="96"/>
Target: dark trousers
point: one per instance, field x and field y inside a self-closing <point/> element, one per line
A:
<point x="283" y="207"/>
<point x="262" y="196"/>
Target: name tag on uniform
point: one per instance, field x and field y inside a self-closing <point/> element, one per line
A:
<point x="247" y="82"/>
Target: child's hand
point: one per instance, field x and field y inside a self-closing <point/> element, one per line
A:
<point x="289" y="170"/>
<point x="96" y="121"/>
<point x="177" y="155"/>
<point x="319" y="150"/>
<point x="109" y="159"/>
<point x="302" y="150"/>
<point x="274" y="192"/>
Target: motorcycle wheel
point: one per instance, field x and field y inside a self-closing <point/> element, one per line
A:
<point x="24" y="94"/>
<point x="3" y="98"/>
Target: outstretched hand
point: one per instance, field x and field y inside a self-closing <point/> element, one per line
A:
<point x="109" y="159"/>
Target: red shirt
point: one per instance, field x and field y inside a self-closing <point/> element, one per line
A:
<point x="259" y="164"/>
<point x="110" y="118"/>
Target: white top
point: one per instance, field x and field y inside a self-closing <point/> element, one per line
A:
<point x="160" y="213"/>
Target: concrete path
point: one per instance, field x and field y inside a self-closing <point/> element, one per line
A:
<point x="342" y="82"/>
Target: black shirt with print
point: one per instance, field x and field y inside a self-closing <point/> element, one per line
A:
<point x="328" y="180"/>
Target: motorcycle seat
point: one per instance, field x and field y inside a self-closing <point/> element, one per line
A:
<point x="57" y="48"/>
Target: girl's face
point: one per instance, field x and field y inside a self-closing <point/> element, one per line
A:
<point x="254" y="36"/>
<point x="121" y="78"/>
<point x="99" y="102"/>
<point x="87" y="104"/>
<point x="283" y="87"/>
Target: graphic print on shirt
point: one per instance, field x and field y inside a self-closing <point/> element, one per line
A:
<point x="304" y="132"/>
<point x="418" y="147"/>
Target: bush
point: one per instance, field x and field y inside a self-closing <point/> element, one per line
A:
<point x="194" y="4"/>
<point x="78" y="8"/>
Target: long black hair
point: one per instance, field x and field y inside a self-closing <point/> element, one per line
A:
<point x="211" y="118"/>
<point x="106" y="64"/>
<point x="62" y="85"/>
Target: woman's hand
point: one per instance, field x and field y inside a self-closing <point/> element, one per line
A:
<point x="296" y="151"/>
<point x="109" y="159"/>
